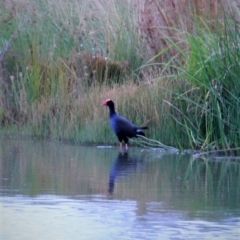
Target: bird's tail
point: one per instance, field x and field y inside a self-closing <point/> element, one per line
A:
<point x="140" y="132"/>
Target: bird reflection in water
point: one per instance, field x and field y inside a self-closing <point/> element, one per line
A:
<point x="122" y="166"/>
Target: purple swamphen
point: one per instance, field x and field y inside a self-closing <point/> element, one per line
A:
<point x="123" y="128"/>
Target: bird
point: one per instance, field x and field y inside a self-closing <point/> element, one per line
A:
<point x="122" y="127"/>
<point x="122" y="166"/>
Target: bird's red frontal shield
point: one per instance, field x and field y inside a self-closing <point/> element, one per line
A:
<point x="105" y="102"/>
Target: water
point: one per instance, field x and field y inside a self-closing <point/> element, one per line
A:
<point x="60" y="191"/>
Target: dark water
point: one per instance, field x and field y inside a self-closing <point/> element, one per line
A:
<point x="59" y="191"/>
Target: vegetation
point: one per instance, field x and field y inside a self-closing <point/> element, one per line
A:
<point x="212" y="70"/>
<point x="175" y="70"/>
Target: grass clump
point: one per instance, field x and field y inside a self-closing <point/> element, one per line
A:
<point x="210" y="107"/>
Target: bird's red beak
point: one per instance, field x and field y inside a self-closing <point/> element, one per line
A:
<point x="104" y="103"/>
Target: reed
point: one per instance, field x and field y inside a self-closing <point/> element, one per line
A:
<point x="209" y="108"/>
<point x="60" y="60"/>
<point x="41" y="44"/>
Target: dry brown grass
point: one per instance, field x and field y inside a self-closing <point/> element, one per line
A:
<point x="160" y="21"/>
<point x="85" y="118"/>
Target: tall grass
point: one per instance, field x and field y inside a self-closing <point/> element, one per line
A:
<point x="57" y="58"/>
<point x="47" y="39"/>
<point x="210" y="108"/>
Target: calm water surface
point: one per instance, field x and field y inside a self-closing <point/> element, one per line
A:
<point x="60" y="191"/>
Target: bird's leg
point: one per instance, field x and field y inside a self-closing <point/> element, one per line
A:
<point x="120" y="146"/>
